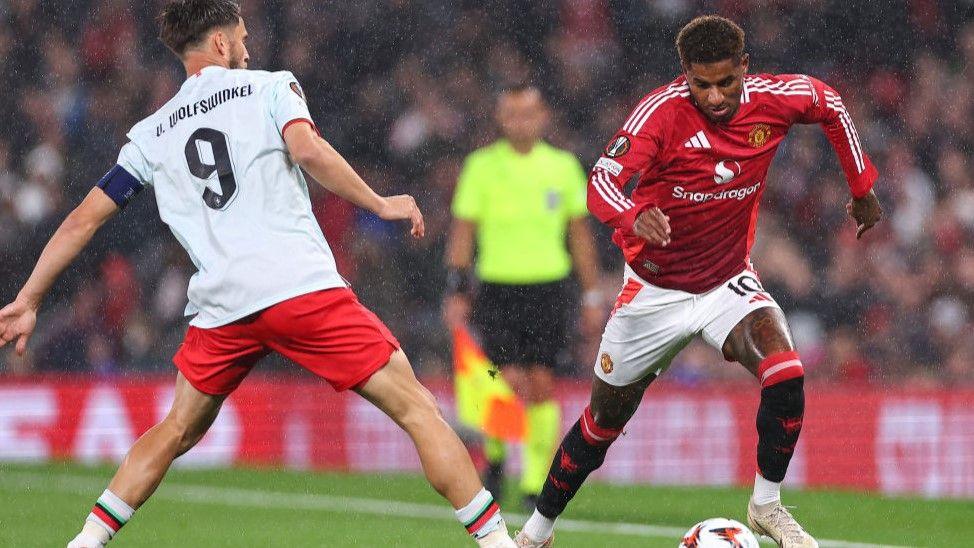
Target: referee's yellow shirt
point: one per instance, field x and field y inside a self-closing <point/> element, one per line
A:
<point x="521" y="204"/>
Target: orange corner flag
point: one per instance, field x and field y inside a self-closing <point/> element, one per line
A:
<point x="484" y="399"/>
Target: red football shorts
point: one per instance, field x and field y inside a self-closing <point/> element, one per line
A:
<point x="327" y="332"/>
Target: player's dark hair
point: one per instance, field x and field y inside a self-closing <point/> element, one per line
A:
<point x="184" y="23"/>
<point x="709" y="39"/>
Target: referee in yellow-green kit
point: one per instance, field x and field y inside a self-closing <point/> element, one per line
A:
<point x="522" y="204"/>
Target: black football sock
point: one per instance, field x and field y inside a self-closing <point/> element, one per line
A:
<point x="581" y="452"/>
<point x="779" y="423"/>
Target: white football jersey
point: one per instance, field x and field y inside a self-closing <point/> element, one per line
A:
<point x="230" y="193"/>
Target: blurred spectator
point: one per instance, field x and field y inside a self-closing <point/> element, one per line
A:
<point x="402" y="88"/>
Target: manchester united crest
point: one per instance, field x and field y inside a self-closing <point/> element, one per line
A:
<point x="759" y="136"/>
<point x="606" y="362"/>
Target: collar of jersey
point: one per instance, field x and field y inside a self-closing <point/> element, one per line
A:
<point x="205" y="70"/>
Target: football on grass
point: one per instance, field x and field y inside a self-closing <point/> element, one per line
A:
<point x="719" y="533"/>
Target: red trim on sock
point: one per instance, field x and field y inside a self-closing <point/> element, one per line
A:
<point x="107" y="518"/>
<point x="475" y="526"/>
<point x="780" y="367"/>
<point x="595" y="434"/>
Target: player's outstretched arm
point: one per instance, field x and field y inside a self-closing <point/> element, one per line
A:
<point x="327" y="166"/>
<point x="17" y="319"/>
<point x="817" y="102"/>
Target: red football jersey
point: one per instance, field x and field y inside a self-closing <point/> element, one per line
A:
<point x="709" y="178"/>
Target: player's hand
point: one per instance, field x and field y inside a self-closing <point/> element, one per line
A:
<point x="403" y="207"/>
<point x="456" y="310"/>
<point x="653" y="226"/>
<point x="17" y="321"/>
<point x="866" y="211"/>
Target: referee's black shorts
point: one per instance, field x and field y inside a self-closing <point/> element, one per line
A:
<point x="523" y="324"/>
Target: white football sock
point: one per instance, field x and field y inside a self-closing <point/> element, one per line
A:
<point x="539" y="527"/>
<point x="481" y="515"/>
<point x="765" y="491"/>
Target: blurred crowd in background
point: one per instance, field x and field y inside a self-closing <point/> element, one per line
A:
<point x="406" y="88"/>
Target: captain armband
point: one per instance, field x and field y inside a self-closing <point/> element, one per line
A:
<point x="120" y="185"/>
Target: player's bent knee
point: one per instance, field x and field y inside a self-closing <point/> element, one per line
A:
<point x="184" y="437"/>
<point x="182" y="434"/>
<point x="421" y="409"/>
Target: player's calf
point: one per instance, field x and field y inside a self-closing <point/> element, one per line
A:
<point x="779" y="421"/>
<point x="446" y="463"/>
<point x="147" y="462"/>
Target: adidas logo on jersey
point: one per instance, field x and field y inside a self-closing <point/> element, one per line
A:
<point x="698" y="141"/>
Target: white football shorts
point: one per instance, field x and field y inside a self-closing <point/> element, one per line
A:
<point x="650" y="325"/>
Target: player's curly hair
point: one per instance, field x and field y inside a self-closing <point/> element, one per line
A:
<point x="184" y="23"/>
<point x="708" y="39"/>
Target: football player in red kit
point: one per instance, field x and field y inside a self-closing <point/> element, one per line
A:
<point x="701" y="147"/>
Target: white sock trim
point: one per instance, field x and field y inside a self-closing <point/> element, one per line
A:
<point x="118" y="505"/>
<point x="474" y="507"/>
<point x="481" y="516"/>
<point x="538" y="527"/>
<point x="765" y="491"/>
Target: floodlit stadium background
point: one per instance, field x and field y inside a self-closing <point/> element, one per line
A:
<point x="405" y="89"/>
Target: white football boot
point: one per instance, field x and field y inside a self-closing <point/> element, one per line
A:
<point x="775" y="521"/>
<point x="498" y="538"/>
<point x="524" y="541"/>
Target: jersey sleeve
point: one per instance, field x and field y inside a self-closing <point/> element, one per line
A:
<point x="575" y="195"/>
<point x="467" y="197"/>
<point x="825" y="107"/>
<point x="131" y="159"/>
<point x="630" y="152"/>
<point x="288" y="103"/>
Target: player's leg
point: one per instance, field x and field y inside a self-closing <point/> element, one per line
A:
<point x="647" y="329"/>
<point x="332" y="335"/>
<point x="761" y="341"/>
<point x="395" y="390"/>
<point x="211" y="363"/>
<point x="583" y="450"/>
<point x="147" y="462"/>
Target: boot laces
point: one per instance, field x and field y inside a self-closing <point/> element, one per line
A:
<point x="782" y="520"/>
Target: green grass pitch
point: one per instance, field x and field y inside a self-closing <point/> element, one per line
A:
<point x="45" y="506"/>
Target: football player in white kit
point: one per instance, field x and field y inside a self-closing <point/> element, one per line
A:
<point x="224" y="158"/>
